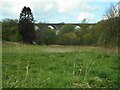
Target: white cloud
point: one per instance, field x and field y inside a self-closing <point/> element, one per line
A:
<point x="52" y="10"/>
<point x="44" y="10"/>
<point x="65" y="6"/>
<point x="13" y="8"/>
<point x="87" y="6"/>
<point x="62" y="6"/>
<point x="19" y="5"/>
<point x="48" y="6"/>
<point x="85" y="15"/>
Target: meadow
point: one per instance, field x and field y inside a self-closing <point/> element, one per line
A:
<point x="54" y="66"/>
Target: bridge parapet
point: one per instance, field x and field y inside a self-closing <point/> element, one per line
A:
<point x="57" y="26"/>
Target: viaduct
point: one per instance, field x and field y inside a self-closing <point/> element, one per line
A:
<point x="57" y="26"/>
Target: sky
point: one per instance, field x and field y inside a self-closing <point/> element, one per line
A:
<point x="57" y="11"/>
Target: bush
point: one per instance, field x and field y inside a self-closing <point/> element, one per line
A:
<point x="10" y="30"/>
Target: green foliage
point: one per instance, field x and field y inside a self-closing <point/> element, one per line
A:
<point x="108" y="34"/>
<point x="69" y="39"/>
<point x="40" y="34"/>
<point x="104" y="33"/>
<point x="67" y="29"/>
<point x="67" y="36"/>
<point x="29" y="66"/>
<point x="50" y="36"/>
<point x="87" y="35"/>
<point x="10" y="30"/>
<point x="46" y="36"/>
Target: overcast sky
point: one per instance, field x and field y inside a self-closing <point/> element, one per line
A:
<point x="57" y="11"/>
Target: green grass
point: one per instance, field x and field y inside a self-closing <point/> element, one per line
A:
<point x="58" y="67"/>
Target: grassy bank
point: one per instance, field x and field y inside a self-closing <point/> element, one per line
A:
<point x="59" y="66"/>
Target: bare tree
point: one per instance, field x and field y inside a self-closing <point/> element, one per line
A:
<point x="113" y="11"/>
<point x="113" y="19"/>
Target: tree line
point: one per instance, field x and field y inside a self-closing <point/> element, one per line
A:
<point x="103" y="33"/>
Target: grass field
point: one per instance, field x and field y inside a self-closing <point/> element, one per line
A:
<point x="29" y="66"/>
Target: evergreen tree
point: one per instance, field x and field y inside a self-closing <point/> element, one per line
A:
<point x="26" y="25"/>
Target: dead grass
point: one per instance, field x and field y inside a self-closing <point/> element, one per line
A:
<point x="53" y="48"/>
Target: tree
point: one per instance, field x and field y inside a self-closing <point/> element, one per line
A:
<point x="63" y="33"/>
<point x="40" y="34"/>
<point x="110" y="32"/>
<point x="69" y="39"/>
<point x="10" y="30"/>
<point x="50" y="36"/>
<point x="67" y="29"/>
<point x="26" y="25"/>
